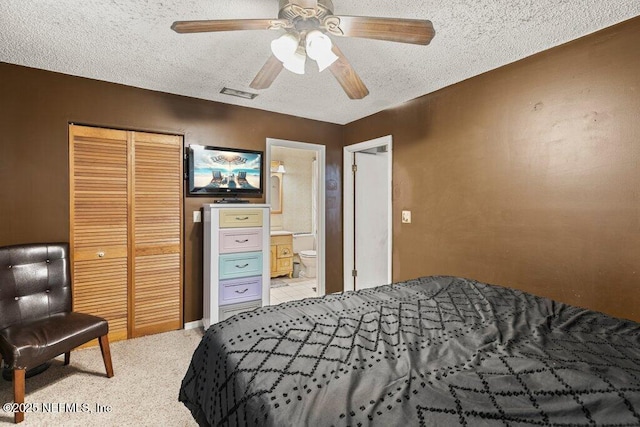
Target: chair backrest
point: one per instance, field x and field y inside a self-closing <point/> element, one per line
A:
<point x="35" y="282"/>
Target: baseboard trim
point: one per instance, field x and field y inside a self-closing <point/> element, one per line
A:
<point x="193" y="325"/>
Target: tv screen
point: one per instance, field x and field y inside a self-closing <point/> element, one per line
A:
<point x="217" y="171"/>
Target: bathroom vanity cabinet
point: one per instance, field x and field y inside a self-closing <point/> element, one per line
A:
<point x="282" y="255"/>
<point x="236" y="270"/>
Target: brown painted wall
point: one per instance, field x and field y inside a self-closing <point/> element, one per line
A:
<point x="526" y="176"/>
<point x="36" y="107"/>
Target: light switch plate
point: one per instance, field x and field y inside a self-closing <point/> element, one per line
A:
<point x="197" y="217"/>
<point x="406" y="217"/>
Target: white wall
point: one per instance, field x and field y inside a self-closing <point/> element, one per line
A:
<point x="296" y="190"/>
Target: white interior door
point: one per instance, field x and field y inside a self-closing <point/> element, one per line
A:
<point x="371" y="218"/>
<point x="374" y="217"/>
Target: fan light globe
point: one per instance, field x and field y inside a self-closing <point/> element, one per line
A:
<point x="284" y="47"/>
<point x="326" y="61"/>
<point x="319" y="48"/>
<point x="296" y="62"/>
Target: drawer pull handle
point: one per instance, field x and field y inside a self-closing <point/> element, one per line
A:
<point x="243" y="291"/>
<point x="244" y="218"/>
<point x="242" y="241"/>
<point x="285" y="252"/>
<point x="242" y="266"/>
<point x="101" y="254"/>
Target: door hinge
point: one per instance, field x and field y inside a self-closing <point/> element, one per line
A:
<point x="354" y="168"/>
<point x="354" y="273"/>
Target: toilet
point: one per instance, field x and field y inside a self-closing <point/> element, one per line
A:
<point x="304" y="245"/>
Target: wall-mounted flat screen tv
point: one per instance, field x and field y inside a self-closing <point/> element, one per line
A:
<point x="218" y="171"/>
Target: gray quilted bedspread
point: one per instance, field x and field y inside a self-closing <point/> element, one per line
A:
<point x="435" y="351"/>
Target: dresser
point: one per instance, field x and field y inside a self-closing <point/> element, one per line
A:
<point x="236" y="260"/>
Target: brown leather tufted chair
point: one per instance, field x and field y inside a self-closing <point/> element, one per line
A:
<point x="36" y="321"/>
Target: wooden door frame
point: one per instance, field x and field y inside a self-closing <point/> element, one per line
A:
<point x="349" y="208"/>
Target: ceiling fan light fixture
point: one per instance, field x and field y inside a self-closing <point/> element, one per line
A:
<point x="319" y="49"/>
<point x="326" y="60"/>
<point x="284" y="47"/>
<point x="307" y="25"/>
<point x="296" y="62"/>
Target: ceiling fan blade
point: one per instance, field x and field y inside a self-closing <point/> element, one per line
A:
<point x="347" y="76"/>
<point x="229" y="25"/>
<point x="267" y="73"/>
<point x="416" y="31"/>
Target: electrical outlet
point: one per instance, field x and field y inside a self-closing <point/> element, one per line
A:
<point x="197" y="217"/>
<point x="406" y="217"/>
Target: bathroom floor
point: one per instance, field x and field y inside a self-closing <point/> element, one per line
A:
<point x="284" y="289"/>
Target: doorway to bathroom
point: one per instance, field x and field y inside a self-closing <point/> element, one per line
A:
<point x="295" y="190"/>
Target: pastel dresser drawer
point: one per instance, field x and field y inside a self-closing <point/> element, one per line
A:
<point x="243" y="264"/>
<point x="240" y="290"/>
<point x="234" y="218"/>
<point x="226" y="311"/>
<point x="240" y="240"/>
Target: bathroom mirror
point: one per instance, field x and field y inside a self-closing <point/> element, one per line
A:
<point x="276" y="193"/>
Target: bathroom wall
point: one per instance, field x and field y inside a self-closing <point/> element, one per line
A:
<point x="296" y="190"/>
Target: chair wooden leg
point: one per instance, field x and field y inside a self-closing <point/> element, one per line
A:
<point x="106" y="354"/>
<point x="67" y="357"/>
<point x="18" y="393"/>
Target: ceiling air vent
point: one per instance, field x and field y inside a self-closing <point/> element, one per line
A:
<point x="238" y="93"/>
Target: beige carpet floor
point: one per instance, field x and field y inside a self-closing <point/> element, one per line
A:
<point x="143" y="391"/>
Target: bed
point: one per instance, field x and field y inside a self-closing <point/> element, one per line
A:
<point x="434" y="351"/>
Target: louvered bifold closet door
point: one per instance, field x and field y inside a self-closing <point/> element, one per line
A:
<point x="156" y="290"/>
<point x="99" y="224"/>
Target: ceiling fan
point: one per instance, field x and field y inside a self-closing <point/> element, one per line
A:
<point x="306" y="24"/>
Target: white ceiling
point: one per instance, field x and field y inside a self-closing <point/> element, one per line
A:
<point x="130" y="42"/>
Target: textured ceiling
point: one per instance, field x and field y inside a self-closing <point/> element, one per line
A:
<point x="130" y="42"/>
